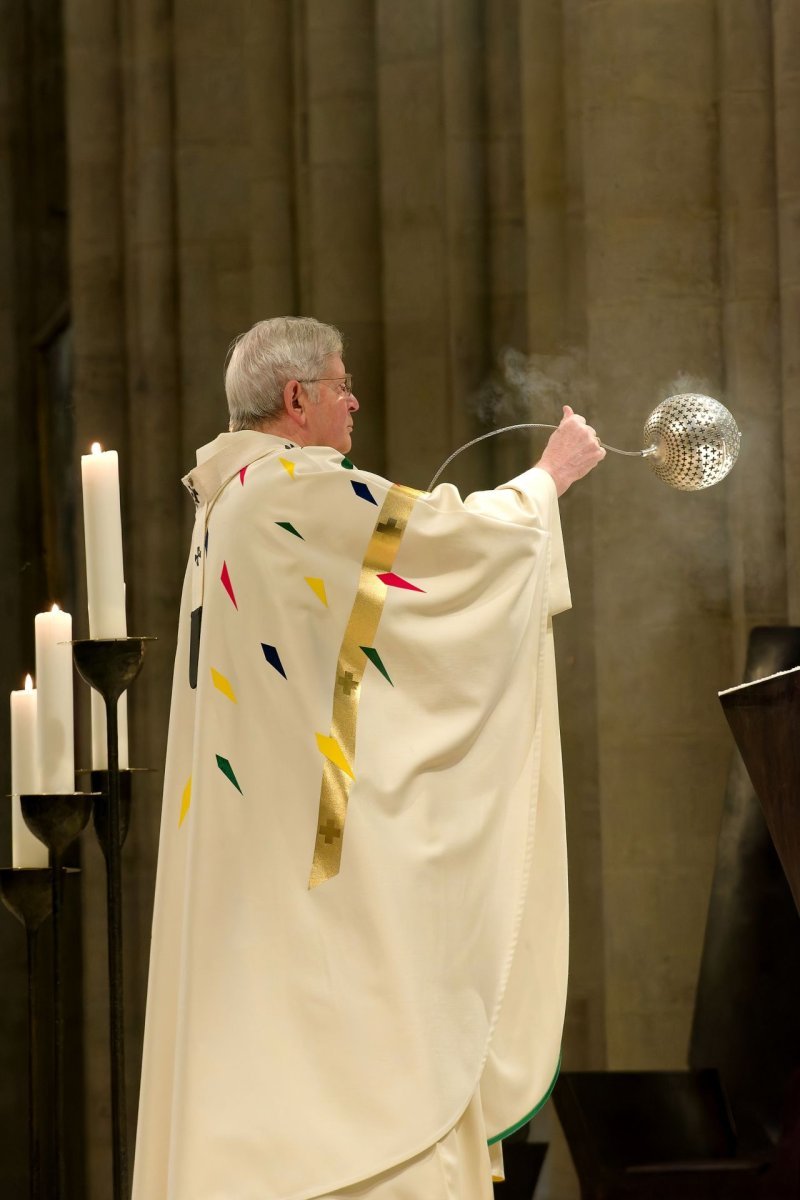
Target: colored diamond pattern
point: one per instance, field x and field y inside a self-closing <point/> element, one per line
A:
<point x="288" y="466"/>
<point x="186" y="800"/>
<point x="226" y="583"/>
<point x="346" y="463"/>
<point x="334" y="753"/>
<point x="273" y="658"/>
<point x="375" y="659"/>
<point x="287" y="525"/>
<point x="363" y="491"/>
<point x="227" y="771"/>
<point x="223" y="685"/>
<point x="242" y="474"/>
<point x="318" y="588"/>
<point x="397" y="581"/>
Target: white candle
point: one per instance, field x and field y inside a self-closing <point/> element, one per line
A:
<point x="102" y="529"/>
<point x="26" y="850"/>
<point x="55" y="749"/>
<point x="105" y="581"/>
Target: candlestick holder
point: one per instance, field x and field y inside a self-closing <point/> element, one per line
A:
<point x="57" y="819"/>
<point x="27" y="893"/>
<point x="110" y="665"/>
<point x="100" y="818"/>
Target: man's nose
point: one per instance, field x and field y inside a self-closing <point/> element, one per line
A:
<point x="352" y="403"/>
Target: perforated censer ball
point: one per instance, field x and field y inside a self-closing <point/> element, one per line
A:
<point x="691" y="441"/>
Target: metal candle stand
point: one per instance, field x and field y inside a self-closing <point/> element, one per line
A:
<point x="27" y="893"/>
<point x="57" y="819"/>
<point x="110" y="665"/>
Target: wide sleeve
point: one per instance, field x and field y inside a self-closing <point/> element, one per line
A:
<point x="533" y="493"/>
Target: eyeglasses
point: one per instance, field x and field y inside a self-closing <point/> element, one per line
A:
<point x="345" y="383"/>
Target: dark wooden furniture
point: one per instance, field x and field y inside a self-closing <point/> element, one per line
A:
<point x="523" y="1162"/>
<point x="711" y="1131"/>
<point x="765" y="721"/>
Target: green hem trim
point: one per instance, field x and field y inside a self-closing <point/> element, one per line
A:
<point x="529" y="1116"/>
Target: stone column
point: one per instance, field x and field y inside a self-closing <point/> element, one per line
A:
<point x="95" y="148"/>
<point x="152" y="465"/>
<point x="585" y="1025"/>
<point x="751" y="325"/>
<point x="16" y="393"/>
<point x="552" y="157"/>
<point x="660" y="557"/>
<point x="464" y="214"/>
<point x="508" y="235"/>
<point x="338" y="209"/>
<point x="786" y="49"/>
<point x="585" y="1040"/>
<point x="433" y="230"/>
<point x="19" y="505"/>
<point x="100" y="391"/>
<point x="541" y="47"/>
<point x="552" y="153"/>
<point x="269" y="73"/>
<point x="505" y="178"/>
<point x="214" y="167"/>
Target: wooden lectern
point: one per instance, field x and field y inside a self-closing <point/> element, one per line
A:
<point x="728" y="1128"/>
<point x="764" y="717"/>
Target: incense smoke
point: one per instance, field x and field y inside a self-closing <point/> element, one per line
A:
<point x="684" y="383"/>
<point x="534" y="387"/>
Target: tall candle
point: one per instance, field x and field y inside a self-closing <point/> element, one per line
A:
<point x="26" y="850"/>
<point x="55" y="749"/>
<point x="105" y="581"/>
<point x="102" y="529"/>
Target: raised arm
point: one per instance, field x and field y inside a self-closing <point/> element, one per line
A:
<point x="573" y="451"/>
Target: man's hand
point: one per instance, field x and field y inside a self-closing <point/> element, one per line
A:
<point x="572" y="451"/>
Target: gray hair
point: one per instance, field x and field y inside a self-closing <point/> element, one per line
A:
<point x="262" y="361"/>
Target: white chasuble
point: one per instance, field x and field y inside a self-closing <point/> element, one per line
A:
<point x="361" y="906"/>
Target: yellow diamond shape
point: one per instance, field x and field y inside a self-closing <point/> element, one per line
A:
<point x="288" y="466"/>
<point x="318" y="588"/>
<point x="223" y="685"/>
<point x="186" y="800"/>
<point x="333" y="752"/>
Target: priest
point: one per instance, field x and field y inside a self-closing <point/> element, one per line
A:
<point x="359" y="956"/>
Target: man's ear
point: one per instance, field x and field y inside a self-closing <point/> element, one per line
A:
<point x="294" y="402"/>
